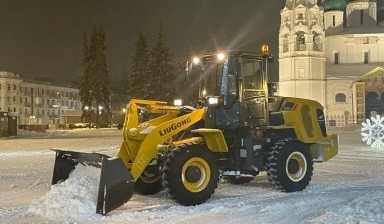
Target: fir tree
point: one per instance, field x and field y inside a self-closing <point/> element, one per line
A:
<point x="124" y="83"/>
<point x="94" y="83"/>
<point x="162" y="71"/>
<point x="85" y="87"/>
<point x="139" y="80"/>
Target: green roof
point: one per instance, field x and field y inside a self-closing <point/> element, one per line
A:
<point x="329" y="5"/>
<point x="361" y="0"/>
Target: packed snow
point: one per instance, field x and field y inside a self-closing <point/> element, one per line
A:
<point x="347" y="189"/>
<point x="73" y="198"/>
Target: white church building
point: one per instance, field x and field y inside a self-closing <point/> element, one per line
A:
<point x="332" y="51"/>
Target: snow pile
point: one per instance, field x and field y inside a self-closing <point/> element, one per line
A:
<point x="74" y="199"/>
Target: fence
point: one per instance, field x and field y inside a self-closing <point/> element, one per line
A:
<point x="338" y="120"/>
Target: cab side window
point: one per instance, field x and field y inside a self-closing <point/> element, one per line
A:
<point x="252" y="77"/>
<point x="229" y="89"/>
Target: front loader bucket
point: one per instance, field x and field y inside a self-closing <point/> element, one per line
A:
<point x="116" y="182"/>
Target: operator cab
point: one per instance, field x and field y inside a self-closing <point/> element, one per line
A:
<point x="233" y="86"/>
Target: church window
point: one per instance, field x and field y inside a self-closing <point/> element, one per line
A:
<point x="333" y="20"/>
<point x="316" y="42"/>
<point x="285" y="45"/>
<point x="300" y="41"/>
<point x="365" y="57"/>
<point x="340" y="98"/>
<point x="300" y="16"/>
<point x="361" y="17"/>
<point x="336" y="58"/>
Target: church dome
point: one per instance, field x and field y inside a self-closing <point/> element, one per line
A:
<point x="330" y="5"/>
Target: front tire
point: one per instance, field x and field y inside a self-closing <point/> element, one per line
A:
<point x="150" y="181"/>
<point x="190" y="174"/>
<point x="289" y="165"/>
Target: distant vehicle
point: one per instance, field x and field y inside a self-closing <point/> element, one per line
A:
<point x="80" y="125"/>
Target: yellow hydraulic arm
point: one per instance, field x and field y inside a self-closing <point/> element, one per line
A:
<point x="141" y="141"/>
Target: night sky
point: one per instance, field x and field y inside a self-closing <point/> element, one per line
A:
<point x="44" y="37"/>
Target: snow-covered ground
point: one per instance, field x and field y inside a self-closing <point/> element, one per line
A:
<point x="347" y="189"/>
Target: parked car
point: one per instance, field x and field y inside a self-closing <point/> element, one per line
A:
<point x="80" y="125"/>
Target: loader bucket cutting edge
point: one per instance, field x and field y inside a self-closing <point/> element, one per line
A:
<point x="116" y="183"/>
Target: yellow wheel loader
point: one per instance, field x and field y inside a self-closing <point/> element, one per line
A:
<point x="237" y="129"/>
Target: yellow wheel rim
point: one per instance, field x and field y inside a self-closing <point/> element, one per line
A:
<point x="296" y="166"/>
<point x="205" y="174"/>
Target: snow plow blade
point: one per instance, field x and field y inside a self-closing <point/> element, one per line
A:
<point x="116" y="183"/>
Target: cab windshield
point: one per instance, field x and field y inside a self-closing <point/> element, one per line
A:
<point x="211" y="77"/>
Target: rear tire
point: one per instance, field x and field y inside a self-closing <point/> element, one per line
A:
<point x="190" y="174"/>
<point x="289" y="165"/>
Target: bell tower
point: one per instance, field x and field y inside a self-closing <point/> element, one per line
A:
<point x="302" y="51"/>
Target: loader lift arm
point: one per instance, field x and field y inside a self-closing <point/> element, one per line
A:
<point x="141" y="141"/>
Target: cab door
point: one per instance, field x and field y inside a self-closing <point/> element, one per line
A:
<point x="254" y="98"/>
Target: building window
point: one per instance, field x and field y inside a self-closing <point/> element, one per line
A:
<point x="340" y="98"/>
<point x="0" y="86"/>
<point x="333" y="20"/>
<point x="9" y="86"/>
<point x="361" y="17"/>
<point x="366" y="57"/>
<point x="317" y="42"/>
<point x="336" y="58"/>
<point x="300" y="16"/>
<point x="300" y="41"/>
<point x="14" y="87"/>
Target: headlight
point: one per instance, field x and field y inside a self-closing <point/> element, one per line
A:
<point x="220" y="56"/>
<point x="213" y="100"/>
<point x="178" y="102"/>
<point x="196" y="60"/>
